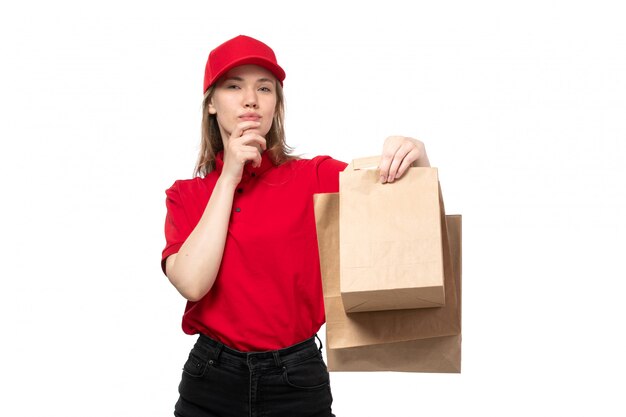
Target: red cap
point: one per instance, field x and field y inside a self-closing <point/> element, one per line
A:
<point x="240" y="50"/>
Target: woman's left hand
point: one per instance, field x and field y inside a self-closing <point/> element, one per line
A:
<point x="399" y="153"/>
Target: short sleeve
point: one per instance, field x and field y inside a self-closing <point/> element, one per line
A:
<point x="177" y="226"/>
<point x="328" y="170"/>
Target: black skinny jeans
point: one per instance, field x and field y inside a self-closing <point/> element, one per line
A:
<point x="221" y="382"/>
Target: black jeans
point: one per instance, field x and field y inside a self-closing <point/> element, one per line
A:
<point x="221" y="382"/>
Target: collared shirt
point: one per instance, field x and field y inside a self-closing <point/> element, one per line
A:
<point x="268" y="291"/>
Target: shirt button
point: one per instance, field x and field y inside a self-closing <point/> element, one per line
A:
<point x="253" y="174"/>
<point x="238" y="209"/>
<point x="240" y="190"/>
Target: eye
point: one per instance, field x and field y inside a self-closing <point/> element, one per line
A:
<point x="265" y="89"/>
<point x="232" y="86"/>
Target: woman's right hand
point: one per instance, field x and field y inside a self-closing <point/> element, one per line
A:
<point x="194" y="268"/>
<point x="244" y="145"/>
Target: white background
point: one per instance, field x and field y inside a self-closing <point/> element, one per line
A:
<point x="522" y="108"/>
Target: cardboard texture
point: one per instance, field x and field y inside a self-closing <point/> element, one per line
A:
<point x="388" y="340"/>
<point x="391" y="244"/>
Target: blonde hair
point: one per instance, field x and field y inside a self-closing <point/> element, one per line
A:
<point x="211" y="139"/>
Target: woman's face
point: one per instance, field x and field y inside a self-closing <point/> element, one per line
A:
<point x="247" y="92"/>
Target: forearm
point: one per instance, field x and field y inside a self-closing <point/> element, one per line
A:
<point x="194" y="268"/>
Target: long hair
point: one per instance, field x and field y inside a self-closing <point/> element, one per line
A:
<point x="211" y="139"/>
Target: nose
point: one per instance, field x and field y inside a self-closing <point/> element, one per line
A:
<point x="250" y="99"/>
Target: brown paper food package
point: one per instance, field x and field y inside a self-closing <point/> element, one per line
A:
<point x="371" y="345"/>
<point x="391" y="243"/>
<point x="375" y="327"/>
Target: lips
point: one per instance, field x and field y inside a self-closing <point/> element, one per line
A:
<point x="250" y="116"/>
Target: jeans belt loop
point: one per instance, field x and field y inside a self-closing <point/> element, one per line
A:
<point x="320" y="340"/>
<point x="217" y="350"/>
<point x="277" y="358"/>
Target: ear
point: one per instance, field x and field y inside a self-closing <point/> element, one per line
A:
<point x="212" y="109"/>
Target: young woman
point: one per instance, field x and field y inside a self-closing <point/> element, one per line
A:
<point x="242" y="248"/>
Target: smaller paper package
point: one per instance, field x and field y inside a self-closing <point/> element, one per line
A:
<point x="391" y="244"/>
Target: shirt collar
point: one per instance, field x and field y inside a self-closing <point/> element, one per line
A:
<point x="248" y="170"/>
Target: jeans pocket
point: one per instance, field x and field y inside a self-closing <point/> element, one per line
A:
<point x="310" y="374"/>
<point x="196" y="365"/>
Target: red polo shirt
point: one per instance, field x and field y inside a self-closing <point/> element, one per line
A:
<point x="268" y="291"/>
